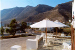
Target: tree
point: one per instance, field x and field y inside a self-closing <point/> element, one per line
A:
<point x="11" y="31"/>
<point x="13" y="23"/>
<point x="23" y="26"/>
<point x="2" y="31"/>
<point x="7" y="30"/>
<point x="12" y="26"/>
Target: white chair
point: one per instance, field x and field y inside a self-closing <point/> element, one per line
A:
<point x="16" y="47"/>
<point x="37" y="37"/>
<point x="62" y="35"/>
<point x="66" y="45"/>
<point x="31" y="44"/>
<point x="44" y="38"/>
<point x="42" y="34"/>
<point x="69" y="47"/>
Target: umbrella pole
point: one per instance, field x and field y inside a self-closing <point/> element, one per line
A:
<point x="71" y="37"/>
<point x="56" y="32"/>
<point x="46" y="35"/>
<point x="74" y="39"/>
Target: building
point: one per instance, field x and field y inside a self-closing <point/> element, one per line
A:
<point x="73" y="9"/>
<point x="73" y="19"/>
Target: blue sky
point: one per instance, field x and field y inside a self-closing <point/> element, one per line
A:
<point x="5" y="4"/>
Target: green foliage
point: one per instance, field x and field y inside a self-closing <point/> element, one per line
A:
<point x="28" y="27"/>
<point x="23" y="35"/>
<point x="2" y="30"/>
<point x="11" y="31"/>
<point x="13" y="23"/>
<point x="55" y="29"/>
<point x="48" y="31"/>
<point x="67" y="30"/>
<point x="7" y="30"/>
<point x="12" y="26"/>
<point x="23" y="26"/>
<point x="69" y="24"/>
<point x="59" y="30"/>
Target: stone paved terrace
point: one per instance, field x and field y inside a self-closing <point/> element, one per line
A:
<point x="7" y="43"/>
<point x="56" y="46"/>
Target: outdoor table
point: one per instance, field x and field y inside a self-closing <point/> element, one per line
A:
<point x="49" y="37"/>
<point x="31" y="44"/>
<point x="16" y="47"/>
<point x="65" y="36"/>
<point x="55" y="35"/>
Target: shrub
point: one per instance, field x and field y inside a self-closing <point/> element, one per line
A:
<point x="60" y="30"/>
<point x="67" y="31"/>
<point x="30" y="35"/>
<point x="48" y="31"/>
<point x="2" y="31"/>
<point x="23" y="35"/>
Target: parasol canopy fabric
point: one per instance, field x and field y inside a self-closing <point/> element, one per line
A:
<point x="46" y="23"/>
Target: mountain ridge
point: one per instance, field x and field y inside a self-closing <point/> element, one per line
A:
<point x="57" y="13"/>
<point x="61" y="12"/>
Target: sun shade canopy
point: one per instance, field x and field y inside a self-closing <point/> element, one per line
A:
<point x="46" y="23"/>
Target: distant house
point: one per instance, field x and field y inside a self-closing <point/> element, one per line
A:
<point x="6" y="27"/>
<point x="4" y="24"/>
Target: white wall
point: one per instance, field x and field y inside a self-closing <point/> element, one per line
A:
<point x="73" y="9"/>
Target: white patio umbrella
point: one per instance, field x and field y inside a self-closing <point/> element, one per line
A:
<point x="46" y="23"/>
<point x="62" y="25"/>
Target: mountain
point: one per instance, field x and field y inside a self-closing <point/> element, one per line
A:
<point x="10" y="13"/>
<point x="20" y="13"/>
<point x="61" y="12"/>
<point x="4" y="12"/>
<point x="34" y="11"/>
